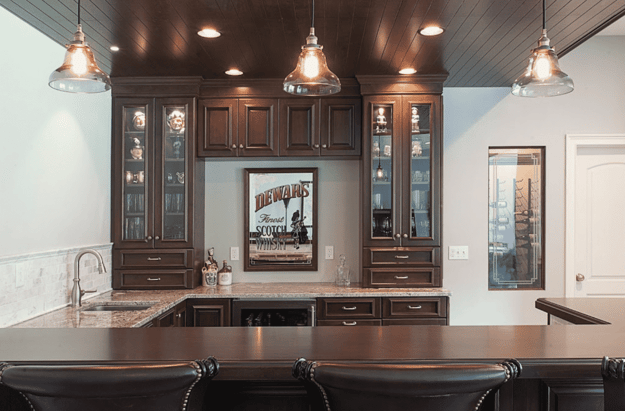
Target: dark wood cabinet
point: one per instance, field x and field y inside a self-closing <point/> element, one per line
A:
<point x="208" y="312"/>
<point x="238" y="127"/>
<point x="157" y="194"/>
<point x="174" y="317"/>
<point x="362" y="311"/>
<point x="402" y="177"/>
<point x="320" y="127"/>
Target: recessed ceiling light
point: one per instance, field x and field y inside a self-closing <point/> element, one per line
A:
<point x="114" y="48"/>
<point x="409" y="70"/>
<point x="209" y="33"/>
<point x="234" y="72"/>
<point x="431" y="31"/>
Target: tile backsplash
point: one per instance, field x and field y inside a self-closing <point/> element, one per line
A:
<point x="34" y="284"/>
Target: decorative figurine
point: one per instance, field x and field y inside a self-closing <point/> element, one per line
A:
<point x="209" y="271"/>
<point x="376" y="149"/>
<point x="137" y="150"/>
<point x="180" y="177"/>
<point x="138" y="121"/>
<point x="175" y="120"/>
<point x="380" y="122"/>
<point x="170" y="178"/>
<point x="417" y="150"/>
<point x="415" y="120"/>
<point x="176" y="145"/>
<point x="225" y="274"/>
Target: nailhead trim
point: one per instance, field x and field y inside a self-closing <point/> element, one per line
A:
<point x="312" y="378"/>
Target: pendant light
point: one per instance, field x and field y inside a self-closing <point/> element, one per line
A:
<point x="312" y="77"/>
<point x="543" y="77"/>
<point x="79" y="72"/>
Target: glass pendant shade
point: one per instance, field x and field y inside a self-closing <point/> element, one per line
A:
<point x="543" y="77"/>
<point x="312" y="77"/>
<point x="79" y="72"/>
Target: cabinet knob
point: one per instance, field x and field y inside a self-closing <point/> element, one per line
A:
<point x="234" y="146"/>
<point x="157" y="238"/>
<point x="405" y="236"/>
<point x="316" y="145"/>
<point x="324" y="146"/>
<point x="240" y="145"/>
<point x="178" y="315"/>
<point x="580" y="277"/>
<point x="149" y="238"/>
<point x="397" y="235"/>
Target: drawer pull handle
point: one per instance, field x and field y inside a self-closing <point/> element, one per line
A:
<point x="403" y="257"/>
<point x="352" y="323"/>
<point x="154" y="258"/>
<point x="349" y="308"/>
<point x="410" y="307"/>
<point x="154" y="279"/>
<point x="403" y="277"/>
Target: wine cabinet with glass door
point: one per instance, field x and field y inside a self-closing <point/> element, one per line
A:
<point x="402" y="184"/>
<point x="157" y="184"/>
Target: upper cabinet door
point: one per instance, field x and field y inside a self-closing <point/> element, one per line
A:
<point x="218" y="124"/>
<point x="132" y="164"/>
<point x="299" y="127"/>
<point x="421" y="168"/>
<point x="258" y="132"/>
<point x="340" y="127"/>
<point x="173" y="172"/>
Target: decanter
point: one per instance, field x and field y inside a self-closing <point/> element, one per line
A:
<point x="342" y="273"/>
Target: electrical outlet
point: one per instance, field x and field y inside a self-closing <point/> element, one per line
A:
<point x="458" y="252"/>
<point x="329" y="252"/>
<point x="234" y="253"/>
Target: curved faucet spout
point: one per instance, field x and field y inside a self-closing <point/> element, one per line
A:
<point x="77" y="293"/>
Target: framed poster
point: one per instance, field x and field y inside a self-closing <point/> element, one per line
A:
<point x="281" y="219"/>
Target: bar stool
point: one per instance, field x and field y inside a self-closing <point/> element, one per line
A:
<point x="112" y="386"/>
<point x="613" y="373"/>
<point x="389" y="387"/>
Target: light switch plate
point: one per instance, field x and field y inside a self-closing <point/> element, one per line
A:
<point x="458" y="252"/>
<point x="329" y="252"/>
<point x="234" y="253"/>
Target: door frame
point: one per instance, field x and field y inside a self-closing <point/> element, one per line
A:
<point x="572" y="144"/>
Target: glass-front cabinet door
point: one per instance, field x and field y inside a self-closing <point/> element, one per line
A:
<point x="175" y="123"/>
<point x="133" y="174"/>
<point x="421" y="159"/>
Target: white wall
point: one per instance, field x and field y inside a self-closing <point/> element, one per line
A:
<point x="55" y="150"/>
<point x="338" y="215"/>
<point x="478" y="118"/>
<point x="55" y="160"/>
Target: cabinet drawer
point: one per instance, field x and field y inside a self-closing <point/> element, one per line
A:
<point x="402" y="277"/>
<point x="153" y="258"/>
<point x="353" y="308"/>
<point x="415" y="321"/>
<point x="348" y="323"/>
<point x="152" y="279"/>
<point x="404" y="256"/>
<point x="414" y="307"/>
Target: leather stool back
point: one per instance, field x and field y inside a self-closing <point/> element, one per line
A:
<point x="361" y="387"/>
<point x="613" y="373"/>
<point x="112" y="386"/>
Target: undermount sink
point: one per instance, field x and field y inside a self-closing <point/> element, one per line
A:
<point x="114" y="306"/>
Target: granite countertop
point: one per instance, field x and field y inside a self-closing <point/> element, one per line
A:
<point x="163" y="300"/>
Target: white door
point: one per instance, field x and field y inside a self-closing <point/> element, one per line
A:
<point x="595" y="216"/>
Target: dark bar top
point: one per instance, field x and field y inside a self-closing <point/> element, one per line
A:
<point x="267" y="353"/>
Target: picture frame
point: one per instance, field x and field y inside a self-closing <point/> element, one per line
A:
<point x="281" y="227"/>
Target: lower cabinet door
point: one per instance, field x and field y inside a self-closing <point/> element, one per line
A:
<point x="208" y="313"/>
<point x="348" y="322"/>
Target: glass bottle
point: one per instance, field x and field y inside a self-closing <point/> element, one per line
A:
<point x="342" y="273"/>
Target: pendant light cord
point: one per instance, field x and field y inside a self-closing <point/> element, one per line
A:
<point x="544" y="14"/>
<point x="312" y="18"/>
<point x="78" y="11"/>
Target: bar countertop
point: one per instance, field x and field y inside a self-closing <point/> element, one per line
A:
<point x="163" y="300"/>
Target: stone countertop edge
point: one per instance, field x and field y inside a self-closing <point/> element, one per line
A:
<point x="164" y="300"/>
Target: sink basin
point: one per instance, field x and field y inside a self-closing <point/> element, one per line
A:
<point x="117" y="307"/>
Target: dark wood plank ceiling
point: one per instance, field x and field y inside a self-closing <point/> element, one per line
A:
<point x="485" y="44"/>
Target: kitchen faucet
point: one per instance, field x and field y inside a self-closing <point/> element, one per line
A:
<point x="77" y="293"/>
